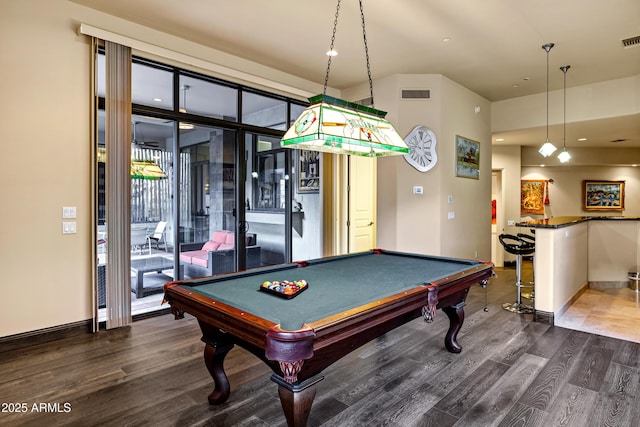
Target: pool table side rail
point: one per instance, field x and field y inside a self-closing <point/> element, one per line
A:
<point x="249" y="328"/>
<point x="476" y="274"/>
<point x="339" y="335"/>
<point x="406" y="301"/>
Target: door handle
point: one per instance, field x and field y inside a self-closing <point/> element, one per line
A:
<point x="370" y="224"/>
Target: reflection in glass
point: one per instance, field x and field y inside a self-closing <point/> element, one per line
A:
<point x="260" y="110"/>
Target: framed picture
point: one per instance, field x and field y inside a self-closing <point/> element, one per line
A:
<point x="308" y="171"/>
<point x="532" y="196"/>
<point x="603" y="195"/>
<point x="467" y="158"/>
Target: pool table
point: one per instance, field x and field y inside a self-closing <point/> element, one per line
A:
<point x="350" y="300"/>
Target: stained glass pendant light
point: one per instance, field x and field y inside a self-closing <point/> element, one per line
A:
<point x="336" y="126"/>
<point x="564" y="155"/>
<point x="547" y="148"/>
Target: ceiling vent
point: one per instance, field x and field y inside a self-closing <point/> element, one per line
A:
<point x="367" y="102"/>
<point x="618" y="140"/>
<point x="416" y="94"/>
<point x="631" y="42"/>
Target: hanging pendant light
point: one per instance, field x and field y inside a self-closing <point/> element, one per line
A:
<point x="184" y="125"/>
<point x="564" y="155"/>
<point x="337" y="126"/>
<point x="547" y="148"/>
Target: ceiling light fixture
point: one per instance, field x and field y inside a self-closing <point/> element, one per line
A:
<point x="337" y="126"/>
<point x="183" y="125"/>
<point x="547" y="148"/>
<point x="564" y="155"/>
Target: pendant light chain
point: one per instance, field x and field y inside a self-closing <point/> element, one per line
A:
<point x="366" y="52"/>
<point x="548" y="49"/>
<point x="333" y="39"/>
<point x="564" y="69"/>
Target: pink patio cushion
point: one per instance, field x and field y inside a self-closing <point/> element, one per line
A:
<point x="211" y="246"/>
<point x="185" y="257"/>
<point x="231" y="239"/>
<point x="224" y="246"/>
<point x="197" y="257"/>
<point x="220" y="236"/>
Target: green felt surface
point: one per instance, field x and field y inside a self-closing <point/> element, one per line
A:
<point x="335" y="285"/>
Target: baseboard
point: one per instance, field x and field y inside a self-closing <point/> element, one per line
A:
<point x="544" y="317"/>
<point x="609" y="285"/>
<point x="39" y="336"/>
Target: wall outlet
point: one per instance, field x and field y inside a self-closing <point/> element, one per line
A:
<point x="511" y="223"/>
<point x="451" y="215"/>
<point x="417" y="189"/>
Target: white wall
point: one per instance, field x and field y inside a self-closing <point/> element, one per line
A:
<point x="565" y="194"/>
<point x="45" y="153"/>
<point x="507" y="160"/>
<point x="418" y="223"/>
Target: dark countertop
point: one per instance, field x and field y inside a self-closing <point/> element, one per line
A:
<point x="566" y="221"/>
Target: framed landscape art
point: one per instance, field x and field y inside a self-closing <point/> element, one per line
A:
<point x="467" y="158"/>
<point x="603" y="195"/>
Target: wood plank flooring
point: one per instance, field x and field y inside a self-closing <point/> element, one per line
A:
<point x="511" y="372"/>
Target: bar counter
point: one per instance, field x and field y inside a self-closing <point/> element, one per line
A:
<point x="577" y="252"/>
<point x="566" y="221"/>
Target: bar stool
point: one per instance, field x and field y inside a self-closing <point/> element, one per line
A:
<point x="519" y="247"/>
<point x="530" y="239"/>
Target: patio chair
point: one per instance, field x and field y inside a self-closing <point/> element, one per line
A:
<point x="158" y="235"/>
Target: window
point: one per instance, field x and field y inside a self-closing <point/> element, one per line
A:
<point x="264" y="111"/>
<point x="206" y="98"/>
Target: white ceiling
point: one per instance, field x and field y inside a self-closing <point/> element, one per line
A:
<point x="494" y="48"/>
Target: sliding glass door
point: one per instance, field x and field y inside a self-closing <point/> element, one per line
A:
<point x="208" y="200"/>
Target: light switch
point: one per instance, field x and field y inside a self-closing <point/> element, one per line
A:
<point x="417" y="189"/>
<point x="69" y="212"/>
<point x="68" y="227"/>
<point x="451" y="215"/>
<point x="449" y="199"/>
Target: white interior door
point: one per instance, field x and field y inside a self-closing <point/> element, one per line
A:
<point x="362" y="202"/>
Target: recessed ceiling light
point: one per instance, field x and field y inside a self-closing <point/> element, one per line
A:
<point x="332" y="52"/>
<point x="582" y="139"/>
<point x="541" y="166"/>
<point x="516" y="85"/>
<point x="499" y="139"/>
<point x="446" y="39"/>
<point x="634" y="165"/>
<point x="157" y="99"/>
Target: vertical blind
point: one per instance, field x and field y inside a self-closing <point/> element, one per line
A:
<point x="118" y="187"/>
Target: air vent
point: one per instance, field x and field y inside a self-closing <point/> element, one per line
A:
<point x="631" y="42"/>
<point x="618" y="140"/>
<point x="416" y="94"/>
<point x="367" y="102"/>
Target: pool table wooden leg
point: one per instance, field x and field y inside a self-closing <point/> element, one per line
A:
<point x="456" y="318"/>
<point x="297" y="406"/>
<point x="296" y="399"/>
<point x="214" y="359"/>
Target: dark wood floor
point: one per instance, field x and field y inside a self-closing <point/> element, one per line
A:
<point x="511" y="372"/>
